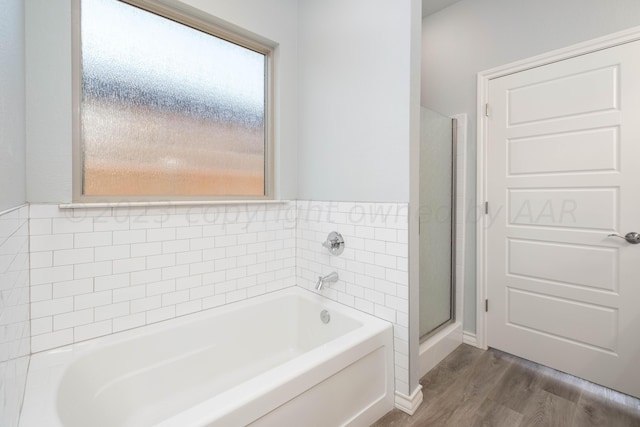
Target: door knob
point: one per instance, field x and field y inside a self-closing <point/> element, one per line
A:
<point x="632" y="237"/>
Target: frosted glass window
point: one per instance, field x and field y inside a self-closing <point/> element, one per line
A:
<point x="166" y="109"/>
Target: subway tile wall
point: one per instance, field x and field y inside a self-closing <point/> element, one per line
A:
<point x="99" y="271"/>
<point x="14" y="312"/>
<point x="373" y="268"/>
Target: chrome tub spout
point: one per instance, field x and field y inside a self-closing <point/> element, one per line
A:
<point x="329" y="278"/>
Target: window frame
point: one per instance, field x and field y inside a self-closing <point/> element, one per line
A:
<point x="198" y="24"/>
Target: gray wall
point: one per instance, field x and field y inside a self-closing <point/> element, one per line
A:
<point x="475" y="35"/>
<point x="48" y="113"/>
<point x="48" y="58"/>
<point x="354" y="92"/>
<point x="12" y="125"/>
<point x="359" y="132"/>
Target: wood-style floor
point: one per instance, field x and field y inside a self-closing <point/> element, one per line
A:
<point x="476" y="388"/>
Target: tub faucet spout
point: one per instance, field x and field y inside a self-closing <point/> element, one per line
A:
<point x="329" y="278"/>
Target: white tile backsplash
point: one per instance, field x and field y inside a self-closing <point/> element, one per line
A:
<point x="99" y="271"/>
<point x="15" y="346"/>
<point x="372" y="269"/>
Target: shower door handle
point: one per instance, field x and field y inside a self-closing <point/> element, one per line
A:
<point x="632" y="237"/>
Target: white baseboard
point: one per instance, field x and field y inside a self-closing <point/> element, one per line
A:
<point x="469" y="338"/>
<point x="409" y="404"/>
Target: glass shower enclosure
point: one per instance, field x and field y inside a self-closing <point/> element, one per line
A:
<point x="437" y="221"/>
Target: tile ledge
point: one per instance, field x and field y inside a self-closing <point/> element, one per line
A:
<point x="174" y="203"/>
<point x="15" y="208"/>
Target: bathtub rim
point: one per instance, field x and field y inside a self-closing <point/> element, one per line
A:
<point x="82" y="348"/>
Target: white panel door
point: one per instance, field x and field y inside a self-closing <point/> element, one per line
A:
<point x="563" y="172"/>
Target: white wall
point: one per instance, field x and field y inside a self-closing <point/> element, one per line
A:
<point x="12" y="133"/>
<point x="355" y="88"/>
<point x="48" y="57"/>
<point x="475" y="35"/>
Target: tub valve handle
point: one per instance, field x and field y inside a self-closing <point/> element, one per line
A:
<point x="334" y="243"/>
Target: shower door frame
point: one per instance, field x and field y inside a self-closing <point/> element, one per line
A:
<point x="454" y="194"/>
<point x="449" y="336"/>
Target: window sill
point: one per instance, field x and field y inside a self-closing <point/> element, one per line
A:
<point x="168" y="203"/>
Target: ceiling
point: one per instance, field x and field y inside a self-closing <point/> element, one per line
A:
<point x="429" y="7"/>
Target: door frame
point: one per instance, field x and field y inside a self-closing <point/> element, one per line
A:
<point x="483" y="78"/>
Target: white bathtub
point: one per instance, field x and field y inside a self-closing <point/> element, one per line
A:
<point x="266" y="361"/>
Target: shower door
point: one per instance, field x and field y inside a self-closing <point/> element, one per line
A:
<point x="437" y="208"/>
